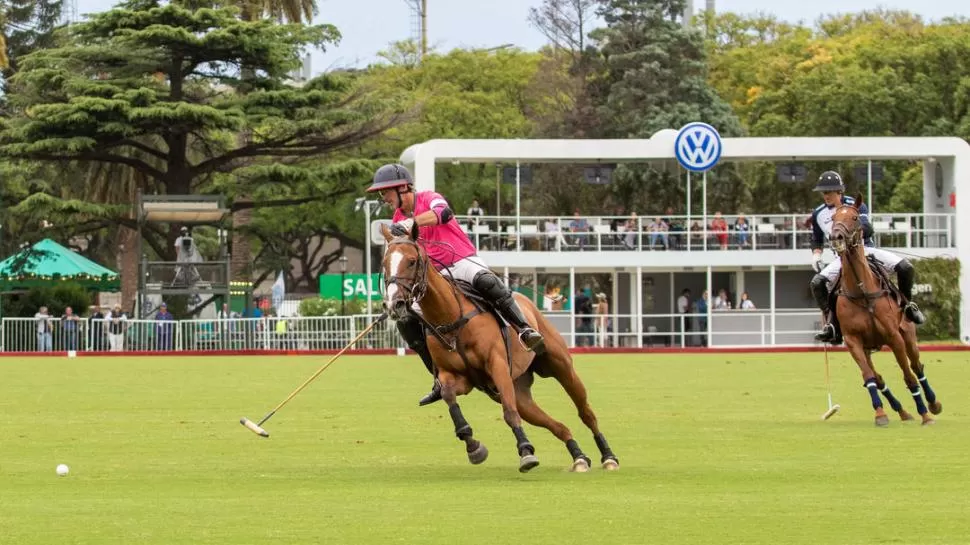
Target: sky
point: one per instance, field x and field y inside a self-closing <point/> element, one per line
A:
<point x="368" y="26"/>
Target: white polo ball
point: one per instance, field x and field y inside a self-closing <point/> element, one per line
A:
<point x="62" y="470"/>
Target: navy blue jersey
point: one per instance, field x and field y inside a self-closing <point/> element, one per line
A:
<point x="822" y="223"/>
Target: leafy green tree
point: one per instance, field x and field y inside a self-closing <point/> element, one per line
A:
<point x="155" y="87"/>
<point x="656" y="78"/>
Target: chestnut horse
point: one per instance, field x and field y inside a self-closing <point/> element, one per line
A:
<point x="871" y="318"/>
<point x="469" y="351"/>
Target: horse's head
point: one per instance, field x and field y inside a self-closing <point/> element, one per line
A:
<point x="847" y="227"/>
<point x="405" y="267"/>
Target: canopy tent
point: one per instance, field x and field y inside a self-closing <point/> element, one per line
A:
<point x="47" y="263"/>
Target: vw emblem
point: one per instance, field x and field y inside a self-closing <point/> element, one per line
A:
<point x="697" y="147"/>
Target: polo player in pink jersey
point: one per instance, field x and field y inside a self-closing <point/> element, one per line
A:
<point x="447" y="246"/>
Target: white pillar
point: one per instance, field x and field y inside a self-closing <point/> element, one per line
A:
<point x="771" y="297"/>
<point x="688" y="211"/>
<point x="613" y="305"/>
<point x="572" y="305"/>
<point x="710" y="322"/>
<point x="638" y="315"/>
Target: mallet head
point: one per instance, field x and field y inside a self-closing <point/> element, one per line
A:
<point x="253" y="427"/>
<point x="832" y="410"/>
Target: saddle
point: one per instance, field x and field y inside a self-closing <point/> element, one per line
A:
<point x="482" y="306"/>
<point x="883" y="276"/>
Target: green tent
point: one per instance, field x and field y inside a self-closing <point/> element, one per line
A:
<point x="47" y="263"/>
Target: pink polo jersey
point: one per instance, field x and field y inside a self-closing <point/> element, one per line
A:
<point x="445" y="243"/>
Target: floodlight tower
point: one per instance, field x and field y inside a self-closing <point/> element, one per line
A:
<point x="69" y="12"/>
<point x="419" y="23"/>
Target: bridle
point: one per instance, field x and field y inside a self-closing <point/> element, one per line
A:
<point x="852" y="239"/>
<point x="415" y="286"/>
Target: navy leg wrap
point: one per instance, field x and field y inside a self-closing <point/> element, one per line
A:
<point x="874" y="394"/>
<point x="930" y="394"/>
<point x="918" y="399"/>
<point x="893" y="402"/>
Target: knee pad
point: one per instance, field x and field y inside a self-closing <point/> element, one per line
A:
<point x="490" y="285"/>
<point x="819" y="281"/>
<point x="904" y="267"/>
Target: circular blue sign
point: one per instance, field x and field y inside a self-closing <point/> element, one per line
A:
<point x="698" y="147"/>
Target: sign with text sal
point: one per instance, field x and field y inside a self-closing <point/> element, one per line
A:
<point x="354" y="286"/>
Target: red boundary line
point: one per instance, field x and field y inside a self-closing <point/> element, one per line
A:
<point x="388" y="352"/>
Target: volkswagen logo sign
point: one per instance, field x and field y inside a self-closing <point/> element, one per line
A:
<point x="697" y="147"/>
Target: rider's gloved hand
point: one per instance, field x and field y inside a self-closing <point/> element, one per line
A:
<point x="402" y="228"/>
<point x="817" y="264"/>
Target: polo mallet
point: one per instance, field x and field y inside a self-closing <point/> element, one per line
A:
<point x="828" y="385"/>
<point x="257" y="427"/>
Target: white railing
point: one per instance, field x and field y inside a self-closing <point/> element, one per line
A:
<point x="719" y="329"/>
<point x="626" y="233"/>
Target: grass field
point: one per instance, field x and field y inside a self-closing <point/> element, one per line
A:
<point x="713" y="449"/>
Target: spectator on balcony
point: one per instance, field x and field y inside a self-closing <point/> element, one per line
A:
<point x="117" y="324"/>
<point x="741" y="227"/>
<point x="722" y="302"/>
<point x="43" y="321"/>
<point x="579" y="225"/>
<point x="746" y="303"/>
<point x="475" y="211"/>
<point x="674" y="226"/>
<point x="631" y="229"/>
<point x="70" y="325"/>
<point x="658" y="231"/>
<point x="165" y="329"/>
<point x="696" y="234"/>
<point x="720" y="228"/>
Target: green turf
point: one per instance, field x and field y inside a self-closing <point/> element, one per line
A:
<point x="714" y="449"/>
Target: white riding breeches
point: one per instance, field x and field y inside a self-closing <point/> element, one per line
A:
<point x="888" y="260"/>
<point x="465" y="270"/>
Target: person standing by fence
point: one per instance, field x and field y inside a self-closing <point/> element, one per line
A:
<point x="43" y="321"/>
<point x="117" y="321"/>
<point x="70" y="326"/>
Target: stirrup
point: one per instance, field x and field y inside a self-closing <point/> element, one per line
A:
<point x="432" y="396"/>
<point x="827" y="334"/>
<point x="913" y="313"/>
<point x="531" y="338"/>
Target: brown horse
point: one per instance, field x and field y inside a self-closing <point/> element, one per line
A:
<point x="469" y="351"/>
<point x="871" y="318"/>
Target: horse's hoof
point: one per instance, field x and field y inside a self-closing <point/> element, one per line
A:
<point x="905" y="416"/>
<point x="882" y="421"/>
<point x="936" y="407"/>
<point x="927" y="421"/>
<point x="528" y="462"/>
<point x="478" y="455"/>
<point x="610" y="464"/>
<point x="581" y="465"/>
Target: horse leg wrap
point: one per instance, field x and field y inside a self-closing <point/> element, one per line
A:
<point x="893" y="402"/>
<point x="874" y="394"/>
<point x="462" y="429"/>
<point x="918" y="399"/>
<point x="930" y="394"/>
<point x="604" y="447"/>
<point x="522" y="442"/>
<point x="573" y="447"/>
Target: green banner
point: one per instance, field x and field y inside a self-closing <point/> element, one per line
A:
<point x="352" y="286"/>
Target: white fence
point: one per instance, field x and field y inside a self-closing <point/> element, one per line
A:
<point x="732" y="328"/>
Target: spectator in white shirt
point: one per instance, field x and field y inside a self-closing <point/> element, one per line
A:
<point x="43" y="320"/>
<point x="746" y="303"/>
